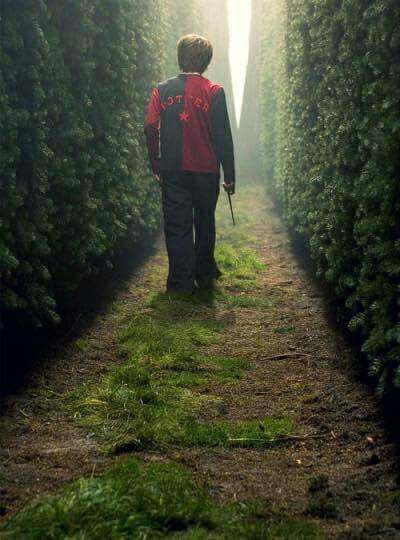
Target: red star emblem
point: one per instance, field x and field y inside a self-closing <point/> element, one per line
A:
<point x="184" y="117"/>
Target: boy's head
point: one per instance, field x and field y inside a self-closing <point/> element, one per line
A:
<point x="194" y="53"/>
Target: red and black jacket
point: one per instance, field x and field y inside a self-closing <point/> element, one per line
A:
<point x="188" y="128"/>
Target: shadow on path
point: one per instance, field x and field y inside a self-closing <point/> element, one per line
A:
<point x="338" y="320"/>
<point x="22" y="350"/>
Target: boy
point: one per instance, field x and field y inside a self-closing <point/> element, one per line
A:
<point x="188" y="138"/>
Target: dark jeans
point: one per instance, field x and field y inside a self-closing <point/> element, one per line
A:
<point x="189" y="198"/>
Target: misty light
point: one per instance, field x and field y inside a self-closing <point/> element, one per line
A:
<point x="239" y="13"/>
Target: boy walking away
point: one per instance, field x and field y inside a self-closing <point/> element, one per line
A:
<point x="188" y="138"/>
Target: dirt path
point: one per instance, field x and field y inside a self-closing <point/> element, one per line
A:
<point x="336" y="468"/>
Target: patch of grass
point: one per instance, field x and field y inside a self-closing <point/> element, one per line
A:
<point x="284" y="329"/>
<point x="135" y="407"/>
<point x="293" y="531"/>
<point x="240" y="267"/>
<point x="172" y="305"/>
<point x="160" y="340"/>
<point x="83" y="344"/>
<point x="146" y="401"/>
<point x="228" y="368"/>
<point x="245" y="301"/>
<point x="243" y="234"/>
<point x="202" y="304"/>
<point x="151" y="400"/>
<point x="215" y="368"/>
<point x="239" y="237"/>
<point x="132" y="501"/>
<point x="247" y="434"/>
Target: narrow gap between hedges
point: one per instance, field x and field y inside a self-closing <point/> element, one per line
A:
<point x="202" y="417"/>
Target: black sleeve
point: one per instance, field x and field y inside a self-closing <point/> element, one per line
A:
<point x="222" y="135"/>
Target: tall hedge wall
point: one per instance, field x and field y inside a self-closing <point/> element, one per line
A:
<point x="330" y="97"/>
<point x="74" y="179"/>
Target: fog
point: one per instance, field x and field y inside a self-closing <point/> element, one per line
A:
<point x="239" y="17"/>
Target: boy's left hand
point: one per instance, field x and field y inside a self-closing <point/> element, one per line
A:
<point x="229" y="188"/>
<point x="157" y="178"/>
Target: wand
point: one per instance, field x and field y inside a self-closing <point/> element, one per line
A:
<point x="230" y="204"/>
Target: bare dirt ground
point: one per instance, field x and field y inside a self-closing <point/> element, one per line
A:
<point x="338" y="468"/>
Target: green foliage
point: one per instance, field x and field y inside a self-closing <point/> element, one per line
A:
<point x="331" y="92"/>
<point x="75" y="183"/>
<point x="159" y="500"/>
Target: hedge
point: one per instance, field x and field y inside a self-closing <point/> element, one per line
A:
<point x="330" y="94"/>
<point x="74" y="84"/>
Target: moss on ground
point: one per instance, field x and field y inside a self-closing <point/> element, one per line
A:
<point x="154" y="399"/>
<point x="240" y="267"/>
<point x="134" y="501"/>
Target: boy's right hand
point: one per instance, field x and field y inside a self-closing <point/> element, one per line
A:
<point x="157" y="178"/>
<point x="229" y="188"/>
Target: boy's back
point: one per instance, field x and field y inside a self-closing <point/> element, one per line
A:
<point x="191" y="115"/>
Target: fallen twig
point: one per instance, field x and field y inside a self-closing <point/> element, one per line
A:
<point x="280" y="438"/>
<point x="294" y="355"/>
<point x="245" y="439"/>
<point x="282" y="356"/>
<point x="300" y="437"/>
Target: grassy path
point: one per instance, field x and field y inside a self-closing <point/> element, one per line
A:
<point x="232" y="415"/>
